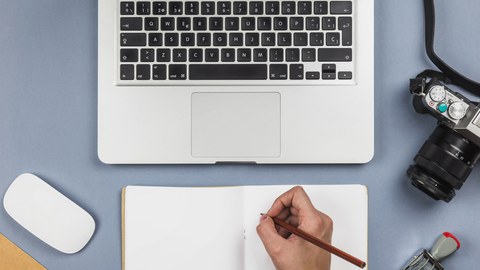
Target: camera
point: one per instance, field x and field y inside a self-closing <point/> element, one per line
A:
<point x="448" y="156"/>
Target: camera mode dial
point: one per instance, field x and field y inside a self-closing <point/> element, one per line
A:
<point x="437" y="93"/>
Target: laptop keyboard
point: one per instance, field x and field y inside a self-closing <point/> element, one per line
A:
<point x="178" y="42"/>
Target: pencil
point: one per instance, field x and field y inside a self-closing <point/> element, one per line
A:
<point x="318" y="242"/>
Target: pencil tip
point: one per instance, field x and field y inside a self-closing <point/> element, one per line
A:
<point x="262" y="214"/>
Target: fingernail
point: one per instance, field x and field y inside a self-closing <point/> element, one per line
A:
<point x="263" y="217"/>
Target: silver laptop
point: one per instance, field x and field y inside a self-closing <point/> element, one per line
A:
<point x="235" y="81"/>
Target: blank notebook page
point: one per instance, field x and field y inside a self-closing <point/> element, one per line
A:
<point x="183" y="228"/>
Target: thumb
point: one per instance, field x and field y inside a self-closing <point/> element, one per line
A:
<point x="269" y="235"/>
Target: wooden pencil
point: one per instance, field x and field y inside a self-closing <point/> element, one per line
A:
<point x="314" y="240"/>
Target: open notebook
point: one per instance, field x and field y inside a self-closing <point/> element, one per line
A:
<point x="214" y="228"/>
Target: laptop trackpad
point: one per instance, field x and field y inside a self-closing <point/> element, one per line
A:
<point x="235" y="125"/>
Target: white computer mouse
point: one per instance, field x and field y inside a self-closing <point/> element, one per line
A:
<point x="48" y="214"/>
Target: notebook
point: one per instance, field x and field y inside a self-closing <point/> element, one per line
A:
<point x="178" y="228"/>
<point x="14" y="258"/>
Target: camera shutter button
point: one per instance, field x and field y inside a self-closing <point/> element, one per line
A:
<point x="457" y="110"/>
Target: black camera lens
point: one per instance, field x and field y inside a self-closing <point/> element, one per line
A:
<point x="443" y="163"/>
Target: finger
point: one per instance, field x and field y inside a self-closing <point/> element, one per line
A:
<point x="284" y="214"/>
<point x="269" y="235"/>
<point x="283" y="232"/>
<point x="293" y="220"/>
<point x="295" y="198"/>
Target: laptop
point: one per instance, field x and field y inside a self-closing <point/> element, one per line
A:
<point x="235" y="81"/>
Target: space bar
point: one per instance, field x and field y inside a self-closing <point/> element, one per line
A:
<point x="228" y="72"/>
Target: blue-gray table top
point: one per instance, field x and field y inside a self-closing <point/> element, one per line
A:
<point x="48" y="110"/>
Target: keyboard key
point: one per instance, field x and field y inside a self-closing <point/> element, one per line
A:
<point x="316" y="39"/>
<point x="200" y="23"/>
<point x="163" y="55"/>
<point x="329" y="76"/>
<point x="183" y="23"/>
<point x="280" y="23"/>
<point x="333" y="39"/>
<point x="191" y="8"/>
<point x="328" y="23"/>
<point x="129" y="23"/>
<point x="151" y="23"/>
<point x="216" y="23"/>
<point x="159" y="8"/>
<point x="159" y="72"/>
<point x="272" y="8"/>
<point x="211" y="55"/>
<point x="312" y="75"/>
<point x="292" y="55"/>
<point x="296" y="72"/>
<point x="300" y="39"/>
<point x="224" y="8"/>
<point x="278" y="71"/>
<point x="167" y="23"/>
<point x="133" y="39"/>
<point x="155" y="39"/>
<point x="187" y="39"/>
<point x="264" y="23"/>
<point x="248" y="23"/>
<point x="175" y="8"/>
<point x="240" y="8"/>
<point x="208" y="8"/>
<point x="177" y="72"/>
<point x="329" y="68"/>
<point x="236" y="39"/>
<point x="256" y="8"/>
<point x="232" y="23"/>
<point x="228" y="55"/>
<point x="335" y="55"/>
<point x="304" y="7"/>
<point x="260" y="55"/>
<point x="179" y="55"/>
<point x="312" y="23"/>
<point x="345" y="24"/>
<point x="288" y="7"/>
<point x="320" y="7"/>
<point x="228" y="72"/>
<point x="143" y="72"/>
<point x="284" y="39"/>
<point x="143" y="8"/>
<point x="203" y="39"/>
<point x="340" y="7"/>
<point x="244" y="55"/>
<point x="268" y="39"/>
<point x="252" y="39"/>
<point x="127" y="72"/>
<point x="296" y="23"/>
<point x="276" y="55"/>
<point x="129" y="55"/>
<point x="345" y="75"/>
<point x="171" y="39"/>
<point x="127" y="8"/>
<point x="220" y="39"/>
<point x="147" y="55"/>
<point x="195" y="55"/>
<point x="308" y="55"/>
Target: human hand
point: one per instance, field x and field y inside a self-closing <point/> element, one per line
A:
<point x="289" y="251"/>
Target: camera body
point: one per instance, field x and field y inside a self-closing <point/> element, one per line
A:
<point x="449" y="155"/>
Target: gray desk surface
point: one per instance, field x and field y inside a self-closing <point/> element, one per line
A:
<point x="48" y="98"/>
